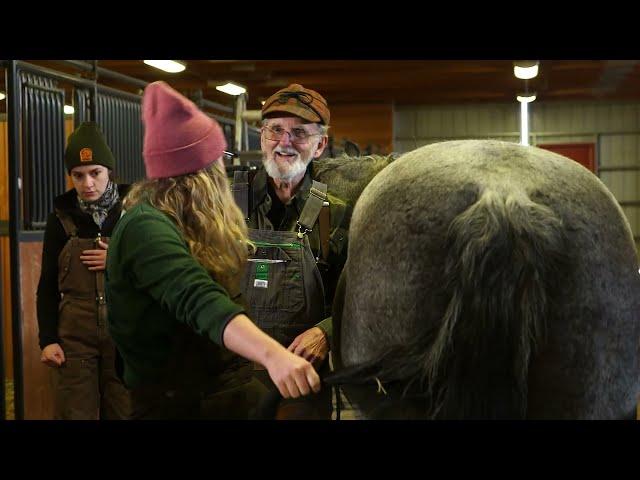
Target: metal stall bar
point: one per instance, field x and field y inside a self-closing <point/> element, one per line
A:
<point x="117" y="108"/>
<point x="15" y="224"/>
<point x="42" y="137"/>
<point x="16" y="120"/>
<point x="81" y="100"/>
<point x="112" y="91"/>
<point x="222" y="120"/>
<point x="80" y="105"/>
<point x="241" y="102"/>
<point x="104" y="72"/>
<point x="53" y="74"/>
<point x="84" y="104"/>
<point x="3" y="402"/>
<point x="216" y="106"/>
<point x="93" y="104"/>
<point x="119" y="115"/>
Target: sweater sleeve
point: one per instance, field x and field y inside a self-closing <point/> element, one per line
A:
<point x="160" y="263"/>
<point x="48" y="296"/>
<point x="326" y="326"/>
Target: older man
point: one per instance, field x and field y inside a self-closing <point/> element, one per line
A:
<point x="300" y="233"/>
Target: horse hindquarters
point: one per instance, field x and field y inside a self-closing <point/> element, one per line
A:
<point x="505" y="257"/>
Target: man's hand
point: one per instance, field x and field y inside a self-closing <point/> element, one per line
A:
<point x="52" y="355"/>
<point x="95" y="259"/>
<point x="312" y="345"/>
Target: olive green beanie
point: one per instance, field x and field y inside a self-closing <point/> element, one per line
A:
<point x="87" y="146"/>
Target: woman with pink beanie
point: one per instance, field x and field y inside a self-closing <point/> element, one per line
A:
<point x="175" y="261"/>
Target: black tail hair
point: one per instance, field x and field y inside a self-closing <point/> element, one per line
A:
<point x="505" y="258"/>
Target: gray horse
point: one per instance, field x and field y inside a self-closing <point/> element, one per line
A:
<point x="488" y="280"/>
<point x="346" y="177"/>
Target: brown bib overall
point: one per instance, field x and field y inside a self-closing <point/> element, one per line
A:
<point x="87" y="387"/>
<point x="284" y="292"/>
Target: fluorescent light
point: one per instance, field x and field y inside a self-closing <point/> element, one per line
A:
<point x="524" y="124"/>
<point x="526" y="98"/>
<point x="525" y="73"/>
<point x="68" y="109"/>
<point x="2" y="96"/>
<point x="525" y="69"/>
<point x="166" y="65"/>
<point x="231" y="89"/>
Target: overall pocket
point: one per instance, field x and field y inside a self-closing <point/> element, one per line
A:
<point x="64" y="267"/>
<point x="273" y="278"/>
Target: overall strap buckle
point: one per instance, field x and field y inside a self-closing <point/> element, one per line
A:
<point x="302" y="230"/>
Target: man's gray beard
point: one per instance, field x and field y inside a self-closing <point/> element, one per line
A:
<point x="295" y="170"/>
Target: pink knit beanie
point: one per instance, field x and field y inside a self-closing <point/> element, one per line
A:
<point x="178" y="137"/>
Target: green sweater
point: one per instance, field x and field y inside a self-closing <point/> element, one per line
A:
<point x="153" y="283"/>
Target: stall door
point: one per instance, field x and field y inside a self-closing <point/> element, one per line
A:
<point x="583" y="153"/>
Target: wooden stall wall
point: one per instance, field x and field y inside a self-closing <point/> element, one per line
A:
<point x="5" y="298"/>
<point x="368" y="125"/>
<point x="38" y="378"/>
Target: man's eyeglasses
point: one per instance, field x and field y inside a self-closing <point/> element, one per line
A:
<point x="297" y="135"/>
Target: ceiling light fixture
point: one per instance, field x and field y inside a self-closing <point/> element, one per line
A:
<point x="525" y="69"/>
<point x="170" y="66"/>
<point x="231" y="89"/>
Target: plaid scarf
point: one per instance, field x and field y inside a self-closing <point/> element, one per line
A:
<point x="99" y="209"/>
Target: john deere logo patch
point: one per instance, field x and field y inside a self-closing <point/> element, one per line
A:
<point x="86" y="155"/>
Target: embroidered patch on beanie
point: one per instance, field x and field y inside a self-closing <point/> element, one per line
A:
<point x="86" y="155"/>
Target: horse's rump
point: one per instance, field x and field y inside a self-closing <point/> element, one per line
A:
<point x="494" y="280"/>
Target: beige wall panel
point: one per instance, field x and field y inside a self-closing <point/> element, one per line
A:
<point x="613" y="127"/>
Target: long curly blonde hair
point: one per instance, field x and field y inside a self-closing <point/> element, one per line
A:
<point x="203" y="208"/>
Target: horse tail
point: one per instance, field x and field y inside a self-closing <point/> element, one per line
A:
<point x="505" y="258"/>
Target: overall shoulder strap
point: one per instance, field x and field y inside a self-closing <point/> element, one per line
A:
<point x="69" y="226"/>
<point x="240" y="190"/>
<point x="312" y="207"/>
<point x="325" y="229"/>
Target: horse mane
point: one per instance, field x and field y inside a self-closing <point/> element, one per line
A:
<point x="505" y="259"/>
